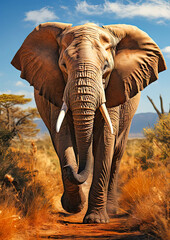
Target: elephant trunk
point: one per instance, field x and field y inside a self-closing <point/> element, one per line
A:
<point x="83" y="95"/>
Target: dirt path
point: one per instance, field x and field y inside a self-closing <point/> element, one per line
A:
<point x="69" y="226"/>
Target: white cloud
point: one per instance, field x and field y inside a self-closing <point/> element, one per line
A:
<point x="20" y="84"/>
<point x="40" y="16"/>
<point x="64" y="7"/>
<point x="166" y="50"/>
<point x="87" y="21"/>
<point x="153" y="9"/>
<point x="88" y="9"/>
<point x="161" y="22"/>
<point x="150" y="9"/>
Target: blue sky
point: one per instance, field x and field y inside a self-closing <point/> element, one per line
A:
<point x="18" y="18"/>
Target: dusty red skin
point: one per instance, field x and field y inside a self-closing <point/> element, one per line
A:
<point x="87" y="66"/>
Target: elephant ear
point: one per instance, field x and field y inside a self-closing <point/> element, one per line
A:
<point x="138" y="60"/>
<point x="37" y="59"/>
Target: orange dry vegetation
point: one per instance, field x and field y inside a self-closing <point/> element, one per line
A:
<point x="144" y="184"/>
<point x="145" y="198"/>
<point x="27" y="198"/>
<point x="9" y="222"/>
<point x="34" y="211"/>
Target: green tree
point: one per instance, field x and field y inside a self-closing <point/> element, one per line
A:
<point x="15" y="121"/>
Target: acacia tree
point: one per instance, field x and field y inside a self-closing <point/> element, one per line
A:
<point x="15" y="121"/>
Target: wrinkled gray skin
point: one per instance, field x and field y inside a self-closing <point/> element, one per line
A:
<point x="86" y="58"/>
<point x="107" y="152"/>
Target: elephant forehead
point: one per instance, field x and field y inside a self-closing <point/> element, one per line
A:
<point x="80" y="32"/>
<point x="87" y="31"/>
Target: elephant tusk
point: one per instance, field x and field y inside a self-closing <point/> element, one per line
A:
<point x="106" y="116"/>
<point x="61" y="116"/>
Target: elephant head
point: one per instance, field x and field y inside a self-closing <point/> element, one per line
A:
<point x="84" y="68"/>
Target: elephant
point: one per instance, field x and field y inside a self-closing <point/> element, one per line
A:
<point x="87" y="82"/>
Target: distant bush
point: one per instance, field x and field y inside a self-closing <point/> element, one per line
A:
<point x="160" y="137"/>
<point x="154" y="149"/>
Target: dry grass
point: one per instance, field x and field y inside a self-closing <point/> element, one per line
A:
<point x="9" y="222"/>
<point x="145" y="195"/>
<point x="34" y="184"/>
<point x="31" y="182"/>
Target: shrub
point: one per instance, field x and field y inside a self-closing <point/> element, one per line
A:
<point x="29" y="182"/>
<point x="145" y="197"/>
<point x="144" y="181"/>
<point x="154" y="149"/>
<point x="160" y="137"/>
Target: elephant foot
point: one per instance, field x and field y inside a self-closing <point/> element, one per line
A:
<point x="73" y="202"/>
<point x="99" y="216"/>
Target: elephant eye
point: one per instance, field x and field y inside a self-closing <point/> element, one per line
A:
<point x="106" y="70"/>
<point x="106" y="65"/>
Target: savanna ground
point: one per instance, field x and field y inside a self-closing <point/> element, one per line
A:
<point x="31" y="188"/>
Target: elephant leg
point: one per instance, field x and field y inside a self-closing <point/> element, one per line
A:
<point x="126" y="113"/>
<point x="103" y="153"/>
<point x="73" y="198"/>
<point x="112" y="198"/>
